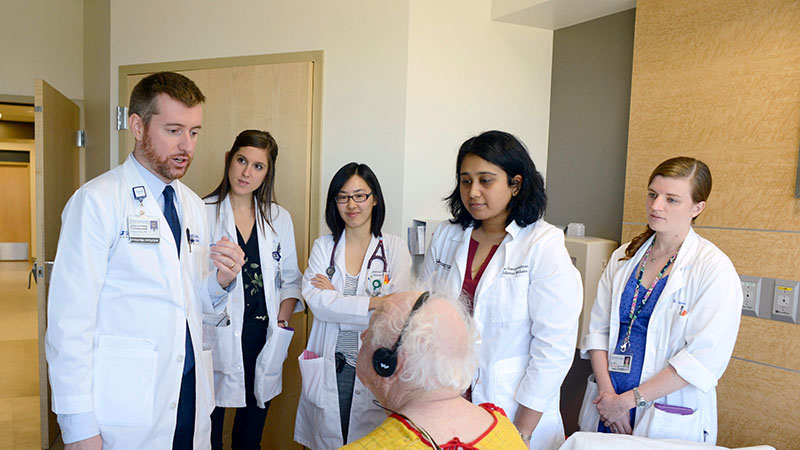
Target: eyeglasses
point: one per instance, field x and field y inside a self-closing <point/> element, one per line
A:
<point x="358" y="198"/>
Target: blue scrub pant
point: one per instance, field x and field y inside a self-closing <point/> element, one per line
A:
<point x="184" y="427"/>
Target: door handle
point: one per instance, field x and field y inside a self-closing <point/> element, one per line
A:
<point x="40" y="271"/>
<point x="32" y="274"/>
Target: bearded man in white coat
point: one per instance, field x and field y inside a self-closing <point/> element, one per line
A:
<point x="134" y="271"/>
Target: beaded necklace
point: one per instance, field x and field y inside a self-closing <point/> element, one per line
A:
<point x="634" y="314"/>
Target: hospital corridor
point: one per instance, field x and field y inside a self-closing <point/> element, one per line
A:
<point x="19" y="374"/>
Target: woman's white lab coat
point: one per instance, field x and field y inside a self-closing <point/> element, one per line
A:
<point x="527" y="305"/>
<point x="693" y="328"/>
<point x="318" y="425"/>
<point x="228" y="365"/>
<point x="118" y="312"/>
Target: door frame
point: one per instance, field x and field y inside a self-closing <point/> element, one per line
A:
<point x="316" y="57"/>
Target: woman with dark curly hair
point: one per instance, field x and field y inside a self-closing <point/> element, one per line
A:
<point x="513" y="270"/>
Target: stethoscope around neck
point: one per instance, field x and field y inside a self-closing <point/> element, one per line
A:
<point x="374" y="283"/>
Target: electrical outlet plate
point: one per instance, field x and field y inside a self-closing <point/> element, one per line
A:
<point x="751" y="292"/>
<point x="785" y="300"/>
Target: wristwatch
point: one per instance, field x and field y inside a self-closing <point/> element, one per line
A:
<point x="283" y="323"/>
<point x="525" y="437"/>
<point x="640" y="401"/>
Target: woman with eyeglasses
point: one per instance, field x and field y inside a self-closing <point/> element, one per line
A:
<point x="350" y="273"/>
<point x="513" y="271"/>
<point x="249" y="353"/>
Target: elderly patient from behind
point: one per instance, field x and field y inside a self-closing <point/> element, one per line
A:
<point x="417" y="357"/>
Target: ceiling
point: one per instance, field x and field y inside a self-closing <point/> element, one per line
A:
<point x="555" y="14"/>
<point x="16" y="113"/>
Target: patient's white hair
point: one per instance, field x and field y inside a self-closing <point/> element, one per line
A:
<point x="435" y="357"/>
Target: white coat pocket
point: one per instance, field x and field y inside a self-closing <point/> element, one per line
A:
<point x="274" y="363"/>
<point x="510" y="298"/>
<point x="657" y="424"/>
<point x="507" y="375"/>
<point x="269" y="373"/>
<point x="124" y="381"/>
<point x="589" y="418"/>
<point x="312" y="371"/>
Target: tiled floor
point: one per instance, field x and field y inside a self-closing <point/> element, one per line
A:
<point x="19" y="374"/>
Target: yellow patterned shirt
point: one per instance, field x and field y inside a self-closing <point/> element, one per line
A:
<point x="396" y="433"/>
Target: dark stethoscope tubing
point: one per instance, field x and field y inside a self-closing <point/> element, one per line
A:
<point x="382" y="258"/>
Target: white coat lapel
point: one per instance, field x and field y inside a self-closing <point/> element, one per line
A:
<point x="267" y="244"/>
<point x="505" y="250"/>
<point x="373" y="245"/>
<point x="186" y="219"/>
<point x="621" y="278"/>
<point x="460" y="257"/>
<point x="678" y="275"/>
<point x="228" y="229"/>
<point x="338" y="259"/>
<point x="228" y="220"/>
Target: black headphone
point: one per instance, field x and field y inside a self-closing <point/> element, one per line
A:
<point x="384" y="360"/>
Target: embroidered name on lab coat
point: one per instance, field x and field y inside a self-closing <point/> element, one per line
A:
<point x="514" y="271"/>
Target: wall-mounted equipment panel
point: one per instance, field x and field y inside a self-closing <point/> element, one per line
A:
<point x="771" y="298"/>
<point x="784" y="301"/>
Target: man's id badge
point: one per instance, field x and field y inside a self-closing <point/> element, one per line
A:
<point x="143" y="229"/>
<point x="620" y="363"/>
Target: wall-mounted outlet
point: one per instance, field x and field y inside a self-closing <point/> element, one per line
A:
<point x="784" y="302"/>
<point x="751" y="293"/>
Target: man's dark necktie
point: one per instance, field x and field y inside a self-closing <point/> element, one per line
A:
<point x="171" y="214"/>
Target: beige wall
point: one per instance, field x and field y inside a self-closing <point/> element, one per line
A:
<point x="718" y="80"/>
<point x="42" y="39"/>
<point x="96" y="84"/>
<point x="397" y="90"/>
<point x="468" y="74"/>
<point x="365" y="45"/>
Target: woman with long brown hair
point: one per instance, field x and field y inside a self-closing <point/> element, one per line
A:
<point x="665" y="319"/>
<point x="249" y="353"/>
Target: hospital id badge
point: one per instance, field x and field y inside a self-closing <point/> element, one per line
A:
<point x="278" y="279"/>
<point x="620" y="363"/>
<point x="374" y="284"/>
<point x="143" y="229"/>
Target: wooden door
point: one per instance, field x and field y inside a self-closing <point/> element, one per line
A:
<point x="57" y="176"/>
<point x="15" y="203"/>
<point x="276" y="98"/>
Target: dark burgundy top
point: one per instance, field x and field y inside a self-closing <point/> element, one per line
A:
<point x="470" y="284"/>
